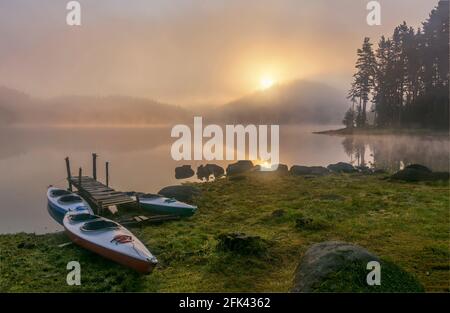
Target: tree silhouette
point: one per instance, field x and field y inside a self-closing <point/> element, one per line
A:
<point x="407" y="78"/>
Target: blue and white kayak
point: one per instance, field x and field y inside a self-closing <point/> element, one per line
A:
<point x="158" y="204"/>
<point x="61" y="201"/>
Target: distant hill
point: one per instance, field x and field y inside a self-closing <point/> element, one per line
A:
<point x="85" y="110"/>
<point x="299" y="101"/>
<point x="296" y="102"/>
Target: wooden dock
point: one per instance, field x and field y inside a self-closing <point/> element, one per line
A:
<point x="99" y="194"/>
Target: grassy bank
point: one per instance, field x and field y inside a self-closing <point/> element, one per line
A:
<point x="407" y="224"/>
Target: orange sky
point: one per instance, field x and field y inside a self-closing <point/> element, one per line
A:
<point x="186" y="51"/>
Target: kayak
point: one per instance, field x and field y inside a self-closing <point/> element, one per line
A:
<point x="60" y="201"/>
<point x="110" y="240"/>
<point x="162" y="205"/>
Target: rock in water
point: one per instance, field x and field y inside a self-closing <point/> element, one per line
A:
<point x="341" y="167"/>
<point x="308" y="170"/>
<point x="182" y="193"/>
<point x="208" y="170"/>
<point x="239" y="167"/>
<point x="300" y="170"/>
<point x="282" y="169"/>
<point x="319" y="170"/>
<point x="184" y="171"/>
<point x="326" y="258"/>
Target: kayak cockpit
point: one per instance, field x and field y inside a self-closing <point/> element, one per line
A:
<point x="99" y="224"/>
<point x="69" y="199"/>
<point x="82" y="217"/>
<point x="59" y="192"/>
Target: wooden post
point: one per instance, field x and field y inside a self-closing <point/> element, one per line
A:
<point x="69" y="176"/>
<point x="80" y="173"/>
<point x="94" y="165"/>
<point x="100" y="207"/>
<point x="107" y="174"/>
<point x="138" y="201"/>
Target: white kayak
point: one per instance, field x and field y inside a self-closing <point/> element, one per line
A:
<point x="158" y="204"/>
<point x="60" y="202"/>
<point x="110" y="240"/>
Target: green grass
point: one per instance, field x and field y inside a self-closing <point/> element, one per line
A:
<point x="404" y="224"/>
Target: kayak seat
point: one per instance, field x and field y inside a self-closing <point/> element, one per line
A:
<point x="99" y="225"/>
<point x="83" y="217"/>
<point x="70" y="199"/>
<point x="59" y="192"/>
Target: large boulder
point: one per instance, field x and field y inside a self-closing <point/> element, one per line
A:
<point x="319" y="170"/>
<point x="336" y="266"/>
<point x="308" y="170"/>
<point x="184" y="171"/>
<point x="417" y="173"/>
<point x="412" y="175"/>
<point x="204" y="172"/>
<point x="300" y="170"/>
<point x="239" y="167"/>
<point x="418" y="167"/>
<point x="183" y="193"/>
<point x="342" y="167"/>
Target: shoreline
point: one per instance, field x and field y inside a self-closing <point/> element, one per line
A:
<point x="384" y="131"/>
<point x="268" y="206"/>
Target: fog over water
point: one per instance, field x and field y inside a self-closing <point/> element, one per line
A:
<point x="32" y="158"/>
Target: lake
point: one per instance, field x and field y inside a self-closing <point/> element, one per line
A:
<point x="32" y="158"/>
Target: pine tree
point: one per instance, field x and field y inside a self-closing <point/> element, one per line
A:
<point x="363" y="80"/>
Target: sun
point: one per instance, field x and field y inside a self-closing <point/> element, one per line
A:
<point x="266" y="82"/>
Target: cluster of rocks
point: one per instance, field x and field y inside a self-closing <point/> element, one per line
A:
<point x="411" y="173"/>
<point x="204" y="172"/>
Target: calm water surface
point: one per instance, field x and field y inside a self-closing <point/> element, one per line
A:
<point x="33" y="158"/>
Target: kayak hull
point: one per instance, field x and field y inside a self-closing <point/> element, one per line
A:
<point x="168" y="210"/>
<point x="110" y="240"/>
<point x="56" y="213"/>
<point x="141" y="266"/>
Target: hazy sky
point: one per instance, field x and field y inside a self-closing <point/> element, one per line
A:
<point x="186" y="51"/>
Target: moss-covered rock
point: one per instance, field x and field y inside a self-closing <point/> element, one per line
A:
<point x="335" y="266"/>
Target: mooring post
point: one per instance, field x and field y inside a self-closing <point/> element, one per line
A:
<point x="138" y="201"/>
<point x="107" y="174"/>
<point x="94" y="165"/>
<point x="69" y="176"/>
<point x="80" y="172"/>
